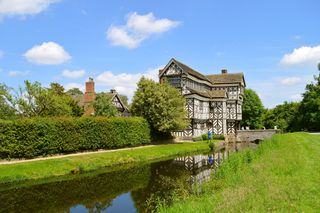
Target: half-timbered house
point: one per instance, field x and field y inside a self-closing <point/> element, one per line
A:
<point x="213" y="102"/>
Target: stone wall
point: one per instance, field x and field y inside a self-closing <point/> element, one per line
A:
<point x="253" y="135"/>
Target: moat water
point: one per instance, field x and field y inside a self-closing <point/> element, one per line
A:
<point x="125" y="189"/>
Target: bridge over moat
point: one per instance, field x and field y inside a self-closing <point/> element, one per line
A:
<point x="255" y="135"/>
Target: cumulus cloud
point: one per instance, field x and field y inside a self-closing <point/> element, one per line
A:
<point x="23" y="7"/>
<point x="290" y="81"/>
<point x="137" y="29"/>
<point x="18" y="73"/>
<point x="125" y="83"/>
<point x="73" y="74"/>
<point x="302" y="55"/>
<point x="74" y="85"/>
<point x="47" y="53"/>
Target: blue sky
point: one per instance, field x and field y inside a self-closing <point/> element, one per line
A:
<point x="275" y="43"/>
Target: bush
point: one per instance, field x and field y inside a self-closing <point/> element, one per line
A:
<point x="204" y="137"/>
<point x="218" y="137"/>
<point x="27" y="138"/>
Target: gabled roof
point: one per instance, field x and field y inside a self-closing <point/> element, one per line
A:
<point x="109" y="95"/>
<point x="225" y="78"/>
<point x="209" y="93"/>
<point x="186" y="69"/>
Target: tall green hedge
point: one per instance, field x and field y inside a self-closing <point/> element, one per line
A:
<point x="27" y="138"/>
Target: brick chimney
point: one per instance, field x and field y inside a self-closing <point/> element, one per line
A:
<point x="89" y="97"/>
<point x="224" y="71"/>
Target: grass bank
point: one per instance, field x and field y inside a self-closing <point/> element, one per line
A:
<point x="93" y="161"/>
<point x="282" y="175"/>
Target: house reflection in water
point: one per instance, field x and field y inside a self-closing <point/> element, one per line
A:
<point x="201" y="167"/>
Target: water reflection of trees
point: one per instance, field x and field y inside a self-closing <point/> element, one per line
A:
<point x="95" y="193"/>
<point x="147" y="185"/>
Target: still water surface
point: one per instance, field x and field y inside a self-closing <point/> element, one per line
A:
<point x="135" y="189"/>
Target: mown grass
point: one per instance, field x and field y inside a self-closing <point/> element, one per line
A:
<point x="282" y="175"/>
<point x="90" y="162"/>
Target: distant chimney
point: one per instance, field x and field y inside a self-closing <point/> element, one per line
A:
<point x="90" y="86"/>
<point x="113" y="91"/>
<point x="89" y="97"/>
<point x="224" y="71"/>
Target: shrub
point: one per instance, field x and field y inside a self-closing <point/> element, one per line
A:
<point x="27" y="138"/>
<point x="218" y="137"/>
<point x="204" y="137"/>
<point x="211" y="146"/>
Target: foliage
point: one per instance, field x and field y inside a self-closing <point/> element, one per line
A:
<point x="124" y="99"/>
<point x="285" y="116"/>
<point x="35" y="100"/>
<point x="160" y="104"/>
<point x="211" y="146"/>
<point x="74" y="92"/>
<point x="7" y="103"/>
<point x="27" y="138"/>
<point x="204" y="137"/>
<point x="103" y="106"/>
<point x="252" y="110"/>
<point x="310" y="106"/>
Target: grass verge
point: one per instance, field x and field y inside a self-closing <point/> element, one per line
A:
<point x="83" y="163"/>
<point x="282" y="175"/>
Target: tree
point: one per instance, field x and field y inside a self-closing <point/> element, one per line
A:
<point x="252" y="110"/>
<point x="74" y="92"/>
<point x="7" y="103"/>
<point x="103" y="106"/>
<point x="310" y="105"/>
<point x="285" y="116"/>
<point x="161" y="105"/>
<point x="124" y="99"/>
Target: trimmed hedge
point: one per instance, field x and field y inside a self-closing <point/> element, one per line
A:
<point x="27" y="138"/>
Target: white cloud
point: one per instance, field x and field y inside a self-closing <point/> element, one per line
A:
<point x="73" y="74"/>
<point x="290" y="81"/>
<point x="23" y="7"/>
<point x="137" y="29"/>
<point x="74" y="85"/>
<point x="302" y="55"/>
<point x="18" y="73"/>
<point x="296" y="97"/>
<point x="125" y="83"/>
<point x="47" y="53"/>
<point x="118" y="36"/>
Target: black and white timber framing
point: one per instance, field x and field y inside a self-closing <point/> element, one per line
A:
<point x="213" y="102"/>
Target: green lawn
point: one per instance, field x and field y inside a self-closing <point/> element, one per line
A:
<point x="90" y="162"/>
<point x="282" y="175"/>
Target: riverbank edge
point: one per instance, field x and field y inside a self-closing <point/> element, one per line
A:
<point x="89" y="162"/>
<point x="231" y="174"/>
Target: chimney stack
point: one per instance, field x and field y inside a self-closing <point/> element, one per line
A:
<point x="113" y="91"/>
<point x="224" y="71"/>
<point x="89" y="97"/>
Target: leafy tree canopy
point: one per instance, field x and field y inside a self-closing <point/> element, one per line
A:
<point x="252" y="110"/>
<point x="103" y="106"/>
<point x="310" y="106"/>
<point x="160" y="104"/>
<point x="74" y="91"/>
<point x="35" y="100"/>
<point x="284" y="116"/>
